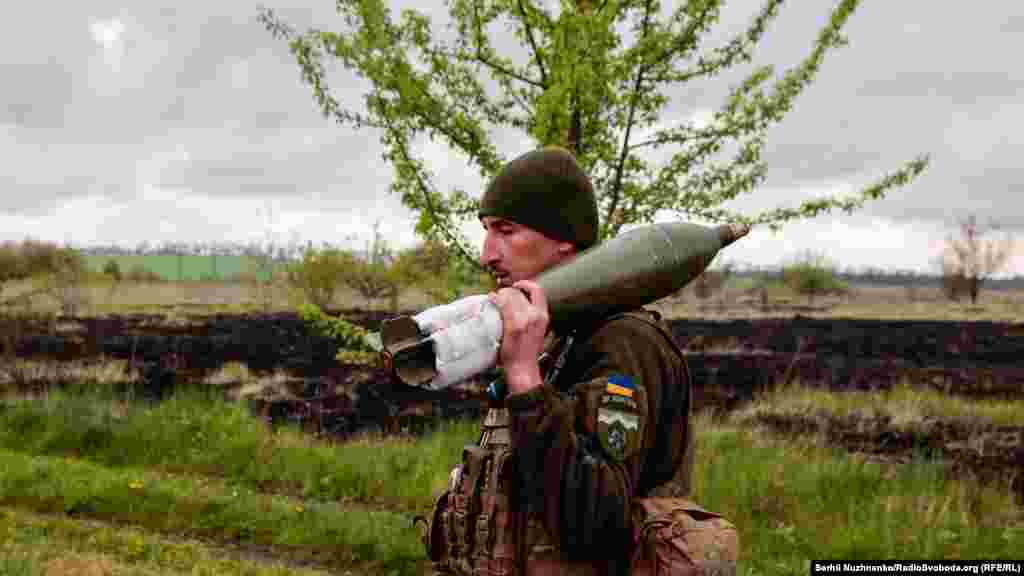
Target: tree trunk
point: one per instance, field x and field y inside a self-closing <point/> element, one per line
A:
<point x="574" y="134"/>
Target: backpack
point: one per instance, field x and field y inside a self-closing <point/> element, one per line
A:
<point x="676" y="537"/>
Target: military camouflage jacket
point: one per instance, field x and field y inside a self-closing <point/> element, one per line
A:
<point x="612" y="426"/>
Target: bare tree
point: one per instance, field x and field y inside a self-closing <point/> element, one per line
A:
<point x="971" y="259"/>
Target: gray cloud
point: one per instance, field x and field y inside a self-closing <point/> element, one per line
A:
<point x="198" y="96"/>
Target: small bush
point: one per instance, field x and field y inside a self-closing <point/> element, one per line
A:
<point x="10" y="264"/>
<point x="374" y="280"/>
<point x="439" y="273"/>
<point x="31" y="258"/>
<point x="812" y="276"/>
<point x="318" y="274"/>
<point x="112" y="269"/>
<point x="61" y="270"/>
<point x="354" y="347"/>
<point x="139" y="273"/>
<point x="968" y="261"/>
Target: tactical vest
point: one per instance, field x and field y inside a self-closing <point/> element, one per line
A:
<point x="476" y="531"/>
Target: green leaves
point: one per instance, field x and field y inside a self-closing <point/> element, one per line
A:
<point x="353" y="344"/>
<point x="573" y="68"/>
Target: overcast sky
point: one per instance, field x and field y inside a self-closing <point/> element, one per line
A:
<point x="124" y="122"/>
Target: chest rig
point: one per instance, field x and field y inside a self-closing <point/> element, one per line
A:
<point x="474" y="530"/>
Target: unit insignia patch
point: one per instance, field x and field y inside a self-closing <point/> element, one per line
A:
<point x="618" y="423"/>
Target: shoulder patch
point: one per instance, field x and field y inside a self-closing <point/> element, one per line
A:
<point x="618" y="420"/>
<point x="621" y="385"/>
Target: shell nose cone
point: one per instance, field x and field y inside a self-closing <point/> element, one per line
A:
<point x="732" y="232"/>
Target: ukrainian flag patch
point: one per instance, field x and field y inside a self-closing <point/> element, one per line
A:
<point x="620" y="385"/>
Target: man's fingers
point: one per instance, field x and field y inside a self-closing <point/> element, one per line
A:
<point x="506" y="296"/>
<point x="518" y="312"/>
<point x="526" y="294"/>
<point x="534" y="293"/>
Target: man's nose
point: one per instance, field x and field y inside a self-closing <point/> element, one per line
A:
<point x="488" y="254"/>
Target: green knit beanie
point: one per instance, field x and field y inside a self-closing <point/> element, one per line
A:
<point x="545" y="190"/>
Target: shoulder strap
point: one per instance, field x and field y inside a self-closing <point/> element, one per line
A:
<point x="644" y="315"/>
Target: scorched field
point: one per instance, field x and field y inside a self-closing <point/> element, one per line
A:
<point x="236" y="443"/>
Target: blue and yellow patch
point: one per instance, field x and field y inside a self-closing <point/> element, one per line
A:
<point x="620" y="385"/>
<point x="619" y="423"/>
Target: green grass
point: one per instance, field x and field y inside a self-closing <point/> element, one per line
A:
<point x="904" y="404"/>
<point x="300" y="529"/>
<point x="37" y="543"/>
<point x="187" y="267"/>
<point x="199" y="466"/>
<point x="200" y="434"/>
<point x="15" y="561"/>
<point x="794" y="501"/>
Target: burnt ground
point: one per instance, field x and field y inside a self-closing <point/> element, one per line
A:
<point x="731" y="362"/>
<point x="319" y="393"/>
<point x="985" y="451"/>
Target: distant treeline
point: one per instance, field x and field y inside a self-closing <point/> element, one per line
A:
<point x="274" y="252"/>
<point x="890" y="278"/>
<point x="227" y="259"/>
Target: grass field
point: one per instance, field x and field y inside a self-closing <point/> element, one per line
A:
<point x="198" y="486"/>
<point x="199" y="297"/>
<point x="195" y="485"/>
<point x="734" y="301"/>
<point x="183" y="267"/>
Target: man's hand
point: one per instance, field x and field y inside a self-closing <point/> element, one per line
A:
<point x="524" y="319"/>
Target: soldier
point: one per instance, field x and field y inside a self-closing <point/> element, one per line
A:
<point x="601" y="418"/>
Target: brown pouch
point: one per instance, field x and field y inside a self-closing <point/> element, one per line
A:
<point x="435" y="537"/>
<point x="463" y="505"/>
<point x="676" y="537"/>
<point x="495" y="537"/>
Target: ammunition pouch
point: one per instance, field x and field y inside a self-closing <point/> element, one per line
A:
<point x="675" y="537"/>
<point x="471" y="529"/>
<point x="435" y="539"/>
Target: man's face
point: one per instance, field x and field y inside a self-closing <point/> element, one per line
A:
<point x="514" y="252"/>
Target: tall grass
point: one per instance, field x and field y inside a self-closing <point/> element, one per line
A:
<point x="157" y="502"/>
<point x="205" y="463"/>
<point x="904" y="404"/>
<point x="56" y="545"/>
<point x="794" y="501"/>
<point x="199" y="433"/>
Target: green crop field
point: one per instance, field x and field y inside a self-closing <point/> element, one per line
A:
<point x="185" y="267"/>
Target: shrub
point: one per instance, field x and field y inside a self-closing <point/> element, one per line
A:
<point x="444" y="277"/>
<point x="112" y="269"/>
<point x="66" y="285"/>
<point x="955" y="285"/>
<point x="374" y="280"/>
<point x="140" y="273"/>
<point x="61" y="270"/>
<point x="968" y="261"/>
<point x="812" y="276"/>
<point x="31" y="258"/>
<point x="353" y="344"/>
<point x="10" y="264"/>
<point x="318" y="274"/>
